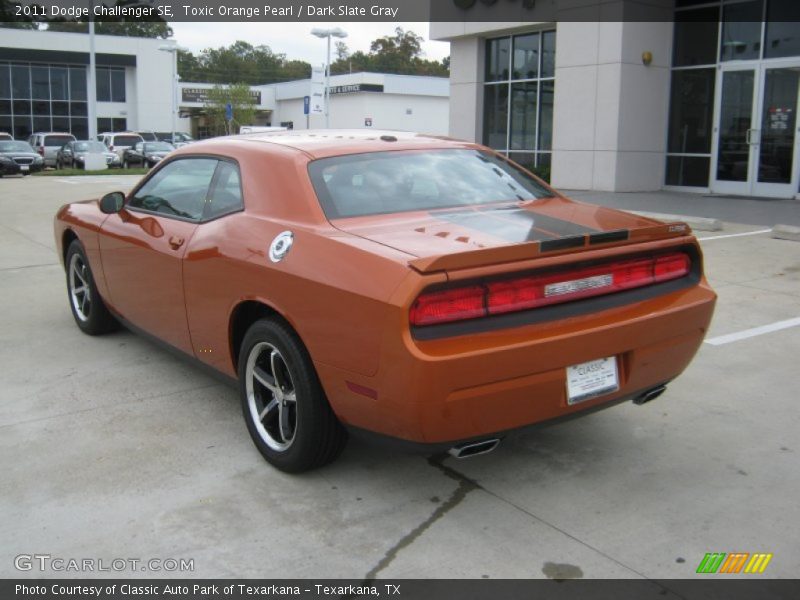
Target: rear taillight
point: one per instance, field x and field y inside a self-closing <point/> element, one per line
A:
<point x="111" y="147"/>
<point x="523" y="293"/>
<point x="41" y="150"/>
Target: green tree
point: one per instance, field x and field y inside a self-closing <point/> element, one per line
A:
<point x="400" y="53"/>
<point x="240" y="62"/>
<point x="244" y="111"/>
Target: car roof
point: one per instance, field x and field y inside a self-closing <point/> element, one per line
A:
<point x="52" y="133"/>
<point x="332" y="142"/>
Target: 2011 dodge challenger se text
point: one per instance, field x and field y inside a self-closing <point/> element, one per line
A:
<point x="414" y="289"/>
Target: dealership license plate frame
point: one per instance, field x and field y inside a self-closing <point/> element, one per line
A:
<point x="24" y="168"/>
<point x="591" y="379"/>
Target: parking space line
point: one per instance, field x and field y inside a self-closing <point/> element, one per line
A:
<point x="730" y="235"/>
<point x="748" y="333"/>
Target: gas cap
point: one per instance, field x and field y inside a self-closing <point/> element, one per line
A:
<point x="280" y="246"/>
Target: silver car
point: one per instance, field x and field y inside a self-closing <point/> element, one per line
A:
<point x="48" y="144"/>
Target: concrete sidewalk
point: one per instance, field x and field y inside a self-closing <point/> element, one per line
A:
<point x="731" y="209"/>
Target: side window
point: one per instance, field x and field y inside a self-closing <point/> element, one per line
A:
<point x="178" y="190"/>
<point x="226" y="195"/>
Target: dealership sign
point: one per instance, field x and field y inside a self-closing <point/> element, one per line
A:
<point x="200" y="95"/>
<point x="356" y="87"/>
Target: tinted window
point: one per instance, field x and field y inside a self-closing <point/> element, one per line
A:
<point x="783" y="33"/>
<point x="177" y="190"/>
<point x="691" y="111"/>
<point x="57" y="140"/>
<point x="126" y="140"/>
<point x="158" y="147"/>
<point x="89" y="147"/>
<point x="226" y="197"/>
<point x="387" y="182"/>
<point x="695" y="37"/>
<point x="741" y="31"/>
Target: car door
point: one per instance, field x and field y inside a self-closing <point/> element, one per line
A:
<point x="143" y="246"/>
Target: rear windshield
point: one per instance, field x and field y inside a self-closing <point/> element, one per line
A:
<point x="10" y="146"/>
<point x="388" y="182"/>
<point x="126" y="140"/>
<point x="148" y="136"/>
<point x="89" y="147"/>
<point x="57" y="140"/>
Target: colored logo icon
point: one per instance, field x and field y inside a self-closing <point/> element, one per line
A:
<point x="733" y="563"/>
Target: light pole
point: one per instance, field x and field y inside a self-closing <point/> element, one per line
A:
<point x="336" y="32"/>
<point x="173" y="49"/>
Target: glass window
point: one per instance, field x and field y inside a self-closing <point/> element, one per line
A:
<point x="103" y="125"/>
<point x="57" y="140"/>
<point x="5" y="81"/>
<point x="79" y="128"/>
<point x="42" y="123"/>
<point x="523" y="93"/>
<point x="524" y="105"/>
<point x="226" y="196"/>
<point x="497" y="59"/>
<point x="61" y="108"/>
<point x="118" y="124"/>
<point x="495" y="116"/>
<point x="61" y="124"/>
<point x="177" y="190"/>
<point x="691" y="111"/>
<point x="695" y="37"/>
<point x="20" y="81"/>
<point x="22" y="107"/>
<point x="5" y="107"/>
<point x="391" y="182"/>
<point x="22" y="127"/>
<point x="117" y="85"/>
<point x="103" y="85"/>
<point x="526" y="56"/>
<point x="6" y="125"/>
<point x="77" y="83"/>
<point x="783" y="33"/>
<point x="546" y="115"/>
<point x="549" y="54"/>
<point x="59" y="83"/>
<point x="688" y="170"/>
<point x="741" y="31"/>
<point x="40" y="79"/>
<point x="78" y="109"/>
<point x="41" y="108"/>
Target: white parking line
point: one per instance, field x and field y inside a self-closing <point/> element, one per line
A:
<point x="748" y="333"/>
<point x="730" y="235"/>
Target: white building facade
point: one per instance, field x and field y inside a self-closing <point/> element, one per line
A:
<point x="358" y="100"/>
<point x="44" y="83"/>
<point x="706" y="102"/>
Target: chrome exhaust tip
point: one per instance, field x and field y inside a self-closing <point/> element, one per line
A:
<point x="473" y="448"/>
<point x="650" y="395"/>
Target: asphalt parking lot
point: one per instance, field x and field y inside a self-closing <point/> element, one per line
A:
<point x="111" y="447"/>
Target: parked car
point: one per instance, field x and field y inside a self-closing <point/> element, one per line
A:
<point x="19" y="157"/>
<point x="48" y="145"/>
<point x="177" y="138"/>
<point x="5" y="136"/>
<point x="146" y="154"/>
<point x="74" y="154"/>
<point x="420" y="290"/>
<point x="120" y="141"/>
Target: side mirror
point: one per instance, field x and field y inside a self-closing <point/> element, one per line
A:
<point x="112" y="203"/>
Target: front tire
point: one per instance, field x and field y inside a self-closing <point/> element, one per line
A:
<point x="90" y="312"/>
<point x="284" y="405"/>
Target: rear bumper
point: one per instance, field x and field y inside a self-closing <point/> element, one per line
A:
<point x="437" y="393"/>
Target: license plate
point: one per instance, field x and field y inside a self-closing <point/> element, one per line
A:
<point x="592" y="379"/>
<point x="24" y="168"/>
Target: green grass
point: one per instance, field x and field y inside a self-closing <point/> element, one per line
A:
<point x="71" y="172"/>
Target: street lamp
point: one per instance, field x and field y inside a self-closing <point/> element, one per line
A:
<point x="173" y="48"/>
<point x="336" y="32"/>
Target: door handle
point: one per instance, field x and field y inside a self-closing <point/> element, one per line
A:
<point x="176" y="242"/>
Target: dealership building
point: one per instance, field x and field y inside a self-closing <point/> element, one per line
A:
<point x="44" y="87"/>
<point x="705" y="101"/>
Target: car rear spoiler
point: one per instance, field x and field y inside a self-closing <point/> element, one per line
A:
<point x="561" y="245"/>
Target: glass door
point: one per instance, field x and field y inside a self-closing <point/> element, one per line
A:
<point x="777" y="152"/>
<point x="736" y="133"/>
<point x="757" y="140"/>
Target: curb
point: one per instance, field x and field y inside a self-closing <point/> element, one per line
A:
<point x="696" y="223"/>
<point x="786" y="232"/>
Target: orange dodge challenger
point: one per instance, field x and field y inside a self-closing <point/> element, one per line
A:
<point x="410" y="288"/>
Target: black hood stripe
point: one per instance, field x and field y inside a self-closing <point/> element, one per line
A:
<point x="515" y="224"/>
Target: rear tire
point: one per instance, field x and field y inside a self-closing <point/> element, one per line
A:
<point x="284" y="406"/>
<point x="88" y="309"/>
